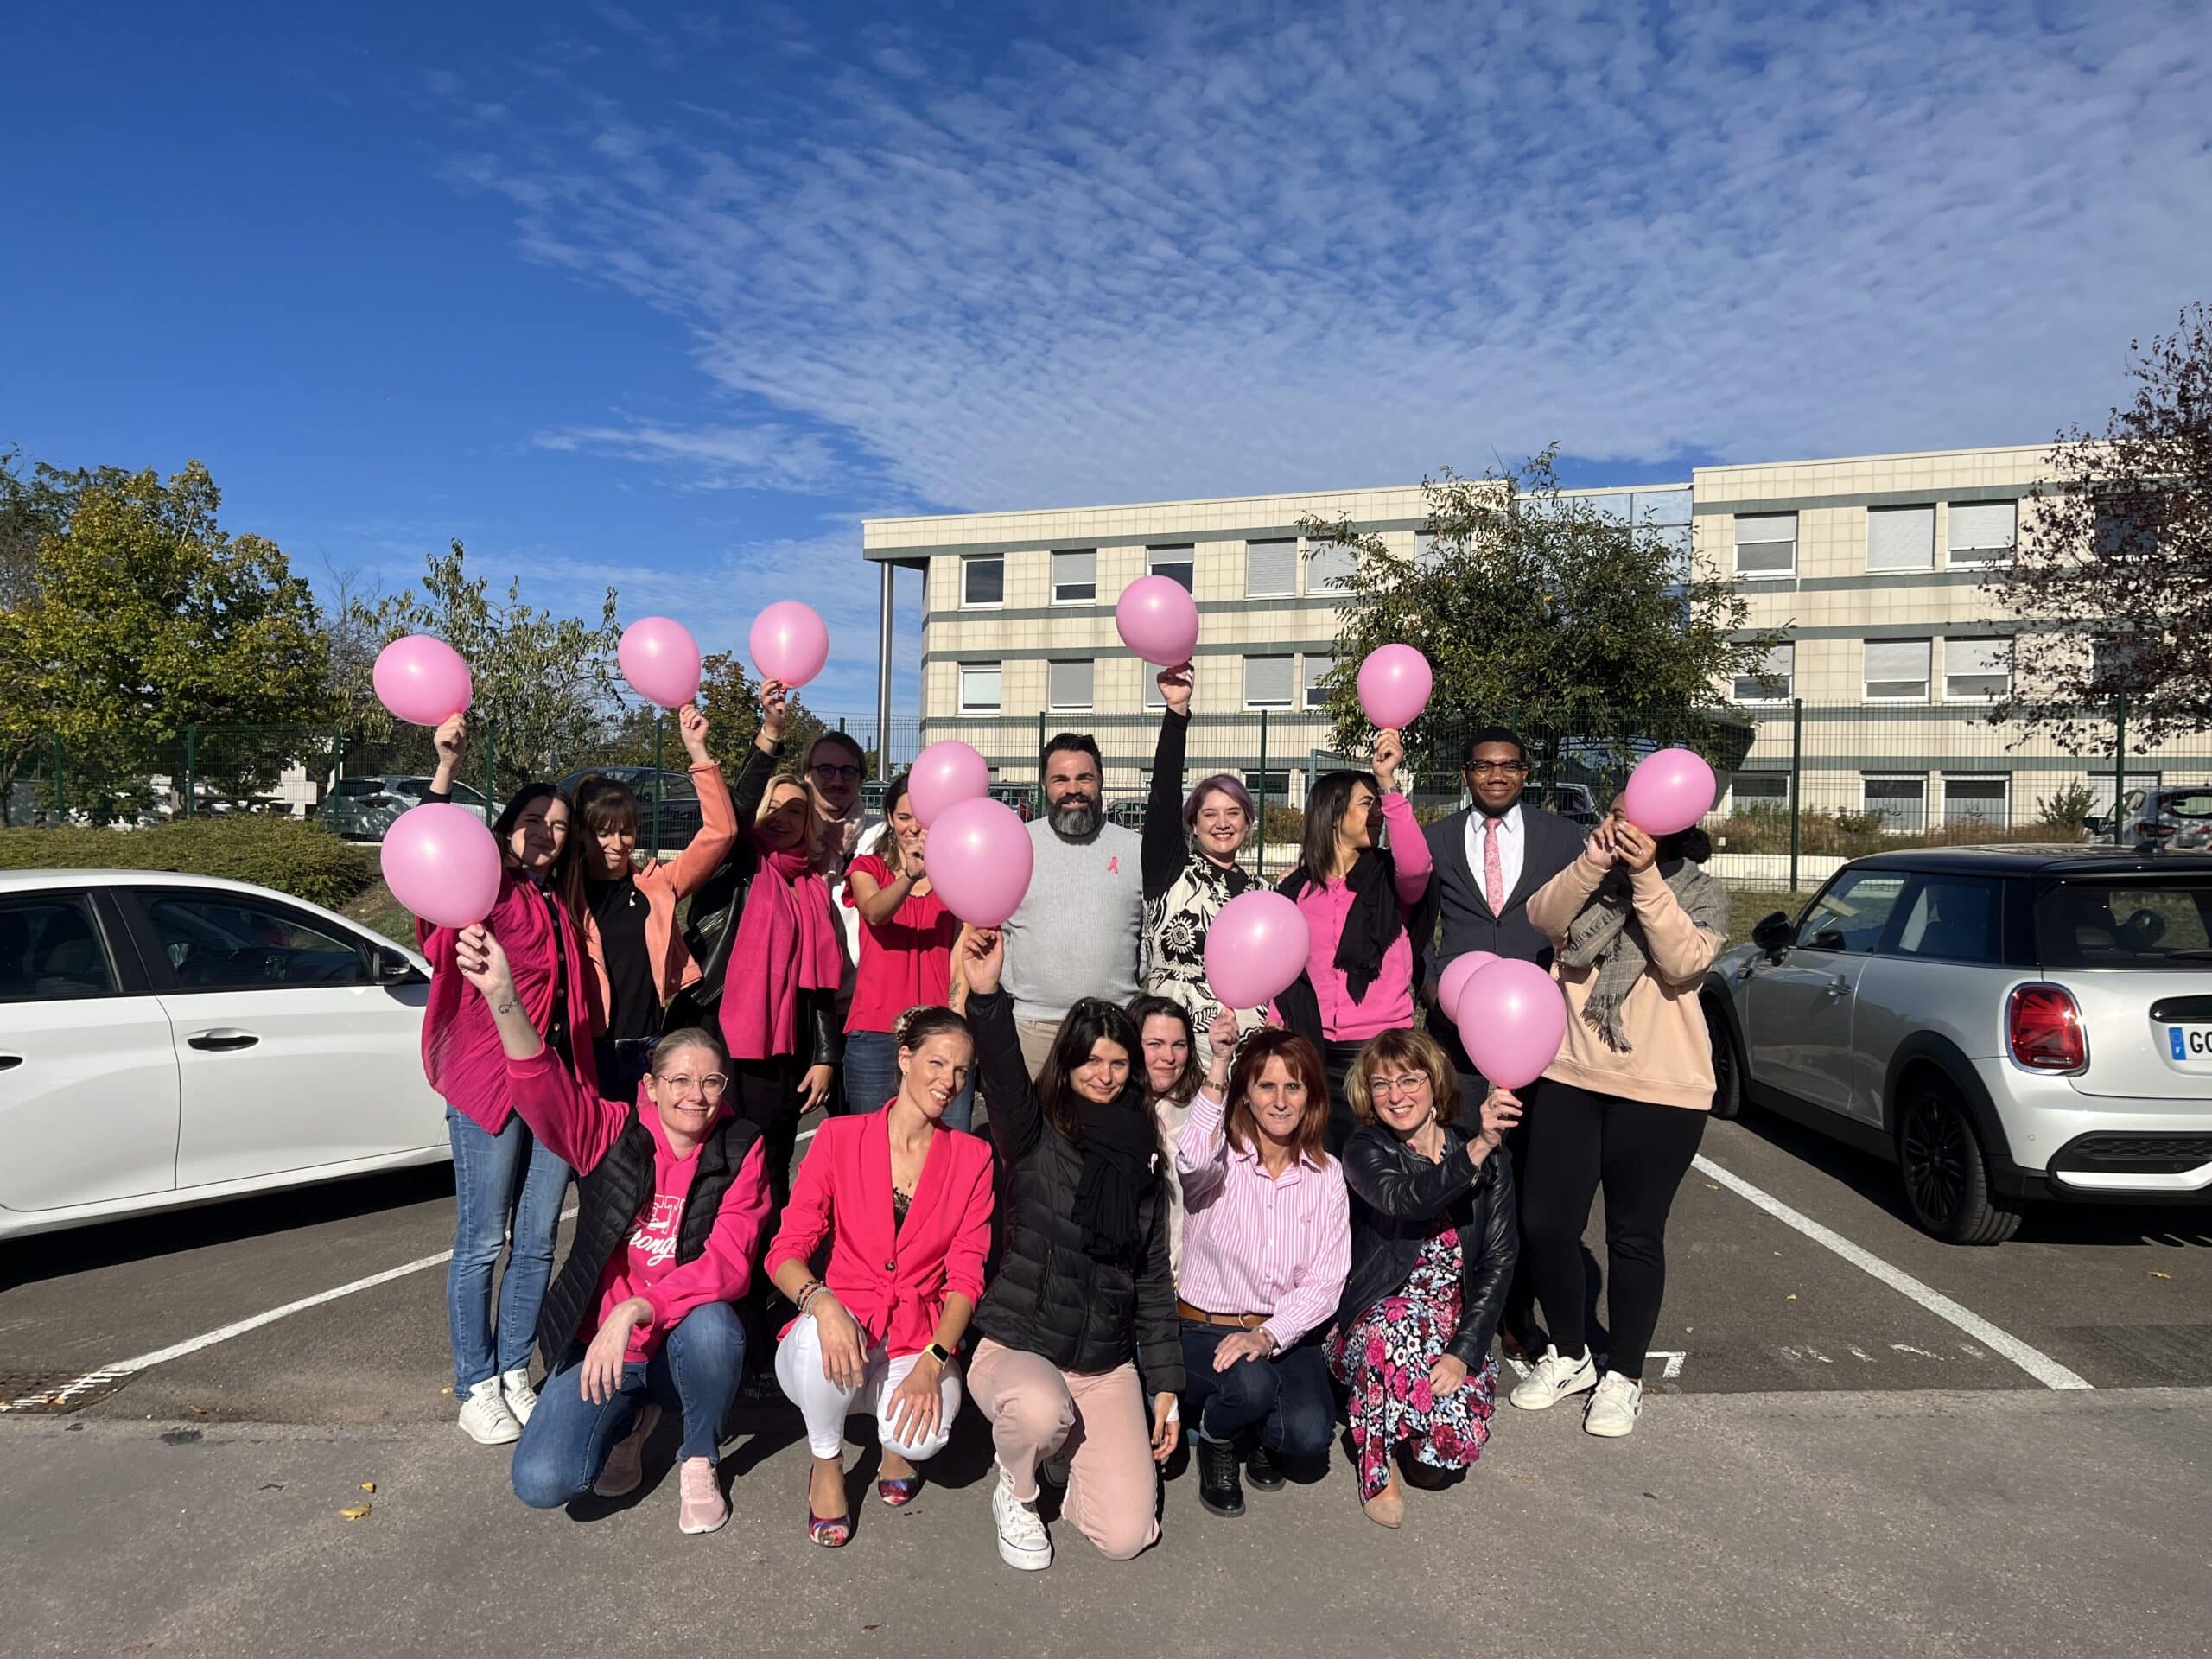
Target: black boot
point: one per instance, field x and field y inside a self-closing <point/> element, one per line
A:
<point x="1219" y="1488"/>
<point x="1264" y="1468"/>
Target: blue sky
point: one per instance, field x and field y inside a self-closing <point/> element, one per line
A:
<point x="673" y="298"/>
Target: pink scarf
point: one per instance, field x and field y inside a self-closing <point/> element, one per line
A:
<point x="787" y="942"/>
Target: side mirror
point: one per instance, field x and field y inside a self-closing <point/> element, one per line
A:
<point x="394" y="968"/>
<point x="1774" y="933"/>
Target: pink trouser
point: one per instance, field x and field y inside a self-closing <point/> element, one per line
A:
<point x="1036" y="1409"/>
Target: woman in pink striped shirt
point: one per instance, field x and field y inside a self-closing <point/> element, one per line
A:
<point x="1266" y="1242"/>
<point x="1364" y="905"/>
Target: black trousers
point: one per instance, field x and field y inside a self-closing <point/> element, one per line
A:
<point x="765" y="1092"/>
<point x="1639" y="1152"/>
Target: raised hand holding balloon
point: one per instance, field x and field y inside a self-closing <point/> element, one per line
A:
<point x="946" y="772"/>
<point x="790" y="642"/>
<point x="660" y="659"/>
<point x="1394" y="682"/>
<point x="1158" y="620"/>
<point x="441" y="861"/>
<point x="421" y="680"/>
<point x="1669" y="791"/>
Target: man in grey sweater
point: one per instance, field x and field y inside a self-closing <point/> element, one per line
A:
<point x="1080" y="927"/>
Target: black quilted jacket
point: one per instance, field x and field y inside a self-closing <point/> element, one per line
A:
<point x="1048" y="1297"/>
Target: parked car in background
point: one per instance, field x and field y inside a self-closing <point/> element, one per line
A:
<point x="167" y="1040"/>
<point x="681" y="817"/>
<point x="2163" y="819"/>
<point x="2006" y="1025"/>
<point x="365" y="809"/>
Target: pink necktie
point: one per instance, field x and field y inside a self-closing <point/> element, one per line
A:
<point x="1493" y="872"/>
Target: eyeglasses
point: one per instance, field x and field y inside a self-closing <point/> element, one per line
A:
<point x="829" y="772"/>
<point x="1495" y="768"/>
<point x="1412" y="1086"/>
<point x="712" y="1085"/>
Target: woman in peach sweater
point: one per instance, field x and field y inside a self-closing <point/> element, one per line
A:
<point x="1634" y="923"/>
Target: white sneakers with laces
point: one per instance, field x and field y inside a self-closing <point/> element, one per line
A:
<point x="1552" y="1379"/>
<point x="521" y="1398"/>
<point x="485" y="1417"/>
<point x="1023" y="1541"/>
<point x="1614" y="1407"/>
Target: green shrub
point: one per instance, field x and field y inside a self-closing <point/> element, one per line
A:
<point x="1285" y="826"/>
<point x="2059" y="816"/>
<point x="304" y="860"/>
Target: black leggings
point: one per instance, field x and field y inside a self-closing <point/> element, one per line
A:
<point x="1639" y="1151"/>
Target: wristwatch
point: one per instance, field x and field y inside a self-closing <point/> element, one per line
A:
<point x="937" y="1351"/>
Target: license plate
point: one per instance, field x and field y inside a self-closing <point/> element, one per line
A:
<point x="2190" y="1044"/>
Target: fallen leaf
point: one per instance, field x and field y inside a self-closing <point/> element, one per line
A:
<point x="368" y="1485"/>
<point x="196" y="1410"/>
<point x="356" y="1512"/>
<point x="871" y="1627"/>
<point x="272" y="1485"/>
<point x="1712" y="1186"/>
<point x="2155" y="1274"/>
<point x="1791" y="1297"/>
<point x="448" y="1388"/>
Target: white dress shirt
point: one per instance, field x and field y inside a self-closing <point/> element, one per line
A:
<point x="1512" y="844"/>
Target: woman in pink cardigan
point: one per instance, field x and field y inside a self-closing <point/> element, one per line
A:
<point x="906" y="1205"/>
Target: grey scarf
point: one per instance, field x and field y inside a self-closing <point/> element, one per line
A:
<point x="1606" y="935"/>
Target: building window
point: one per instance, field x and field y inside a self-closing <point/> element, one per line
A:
<point x="1775" y="680"/>
<point x="1176" y="564"/>
<point x="1424" y="553"/>
<point x="1976" y="798"/>
<point x="1900" y="538"/>
<point x="1272" y="786"/>
<point x="1897" y="671"/>
<point x="1075" y="576"/>
<point x="2117" y="665"/>
<point x="1766" y="543"/>
<point x="1976" y="668"/>
<point x="1981" y="531"/>
<point x="2121" y="532"/>
<point x="1149" y="675"/>
<point x="1268" y="680"/>
<point x="1068" y="685"/>
<point x="979" y="687"/>
<point x="1758" y="791"/>
<point x="1270" y="569"/>
<point x="1329" y="567"/>
<point x="1900" y="801"/>
<point x="1318" y="665"/>
<point x="982" y="582"/>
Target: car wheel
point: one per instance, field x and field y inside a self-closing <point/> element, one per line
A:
<point x="1945" y="1175"/>
<point x="1728" y="1063"/>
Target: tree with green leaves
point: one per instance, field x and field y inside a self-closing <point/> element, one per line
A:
<point x="140" y="616"/>
<point x="731" y="701"/>
<point x="1545" y="612"/>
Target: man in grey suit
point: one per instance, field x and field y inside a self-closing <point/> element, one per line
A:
<point x="1488" y="860"/>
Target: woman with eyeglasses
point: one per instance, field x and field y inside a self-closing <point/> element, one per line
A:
<point x="507" y="1183"/>
<point x="904" y="1202"/>
<point x="907" y="958"/>
<point x="1432" y="1255"/>
<point x="671" y="1198"/>
<point x="1366" y="904"/>
<point x="1083" y="1296"/>
<point x="1191" y="869"/>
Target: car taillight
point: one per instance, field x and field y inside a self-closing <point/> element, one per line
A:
<point x="2043" y="1025"/>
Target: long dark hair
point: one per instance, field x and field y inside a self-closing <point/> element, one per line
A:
<point x="1089" y="1019"/>
<point x="503" y="827"/>
<point x="1304" y="1061"/>
<point x="1147" y="1009"/>
<point x="888" y="849"/>
<point x="1327" y="803"/>
<point x="600" y="803"/>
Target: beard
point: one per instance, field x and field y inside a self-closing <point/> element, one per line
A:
<point x="1074" y="817"/>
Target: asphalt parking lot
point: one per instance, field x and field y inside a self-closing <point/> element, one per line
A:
<point x="1836" y="1396"/>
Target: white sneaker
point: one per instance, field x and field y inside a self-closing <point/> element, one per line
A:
<point x="1551" y="1379"/>
<point x="1613" y="1408"/>
<point x="485" y="1417"/>
<point x="1023" y="1541"/>
<point x="521" y="1398"/>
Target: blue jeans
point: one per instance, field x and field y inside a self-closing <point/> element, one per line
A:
<point x="564" y="1445"/>
<point x="872" y="1077"/>
<point x="1286" y="1397"/>
<point x="507" y="1190"/>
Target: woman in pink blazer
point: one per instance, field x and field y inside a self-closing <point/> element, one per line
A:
<point x="906" y="1204"/>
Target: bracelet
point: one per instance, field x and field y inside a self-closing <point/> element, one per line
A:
<point x="807" y="1292"/>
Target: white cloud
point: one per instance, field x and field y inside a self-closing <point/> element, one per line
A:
<point x="767" y="456"/>
<point x="1306" y="249"/>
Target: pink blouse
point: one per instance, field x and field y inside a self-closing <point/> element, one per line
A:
<point x="1388" y="1005"/>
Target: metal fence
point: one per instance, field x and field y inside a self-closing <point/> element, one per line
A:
<point x="1805" y="785"/>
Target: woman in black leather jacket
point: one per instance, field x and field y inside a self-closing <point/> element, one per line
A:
<point x="1432" y="1249"/>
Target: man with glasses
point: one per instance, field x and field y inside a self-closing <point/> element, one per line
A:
<point x="1077" y="931"/>
<point x="1488" y="860"/>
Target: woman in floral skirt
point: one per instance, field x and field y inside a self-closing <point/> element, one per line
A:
<point x="1433" y="1250"/>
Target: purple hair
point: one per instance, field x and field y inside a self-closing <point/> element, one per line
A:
<point x="1230" y="784"/>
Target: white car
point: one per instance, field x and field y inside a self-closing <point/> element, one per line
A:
<point x="167" y="1040"/>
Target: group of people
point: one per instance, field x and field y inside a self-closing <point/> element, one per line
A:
<point x="1252" y="1225"/>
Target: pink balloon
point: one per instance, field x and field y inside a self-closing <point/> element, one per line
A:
<point x="979" y="860"/>
<point x="945" y="772"/>
<point x="1511" y="1017"/>
<point x="1669" y="791"/>
<point x="421" y="680"/>
<point x="1158" y="620"/>
<point x="789" y="642"/>
<point x="661" y="661"/>
<point x="1255" y="948"/>
<point x="442" y="863"/>
<point x="1394" y="686"/>
<point x="1456" y="972"/>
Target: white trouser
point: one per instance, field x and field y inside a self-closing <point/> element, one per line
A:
<point x="825" y="1406"/>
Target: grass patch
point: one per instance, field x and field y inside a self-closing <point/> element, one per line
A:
<point x="378" y="910"/>
<point x="304" y="860"/>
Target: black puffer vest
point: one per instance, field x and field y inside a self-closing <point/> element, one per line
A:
<point x="608" y="1198"/>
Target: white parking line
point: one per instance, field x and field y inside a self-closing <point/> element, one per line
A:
<point x="2036" y="1363"/>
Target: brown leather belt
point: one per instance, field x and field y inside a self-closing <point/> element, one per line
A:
<point x="1235" y="1322"/>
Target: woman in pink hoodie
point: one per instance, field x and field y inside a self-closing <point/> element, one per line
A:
<point x="670" y="1199"/>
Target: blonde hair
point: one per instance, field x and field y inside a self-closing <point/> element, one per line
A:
<point x="1402" y="1048"/>
<point x="768" y="802"/>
